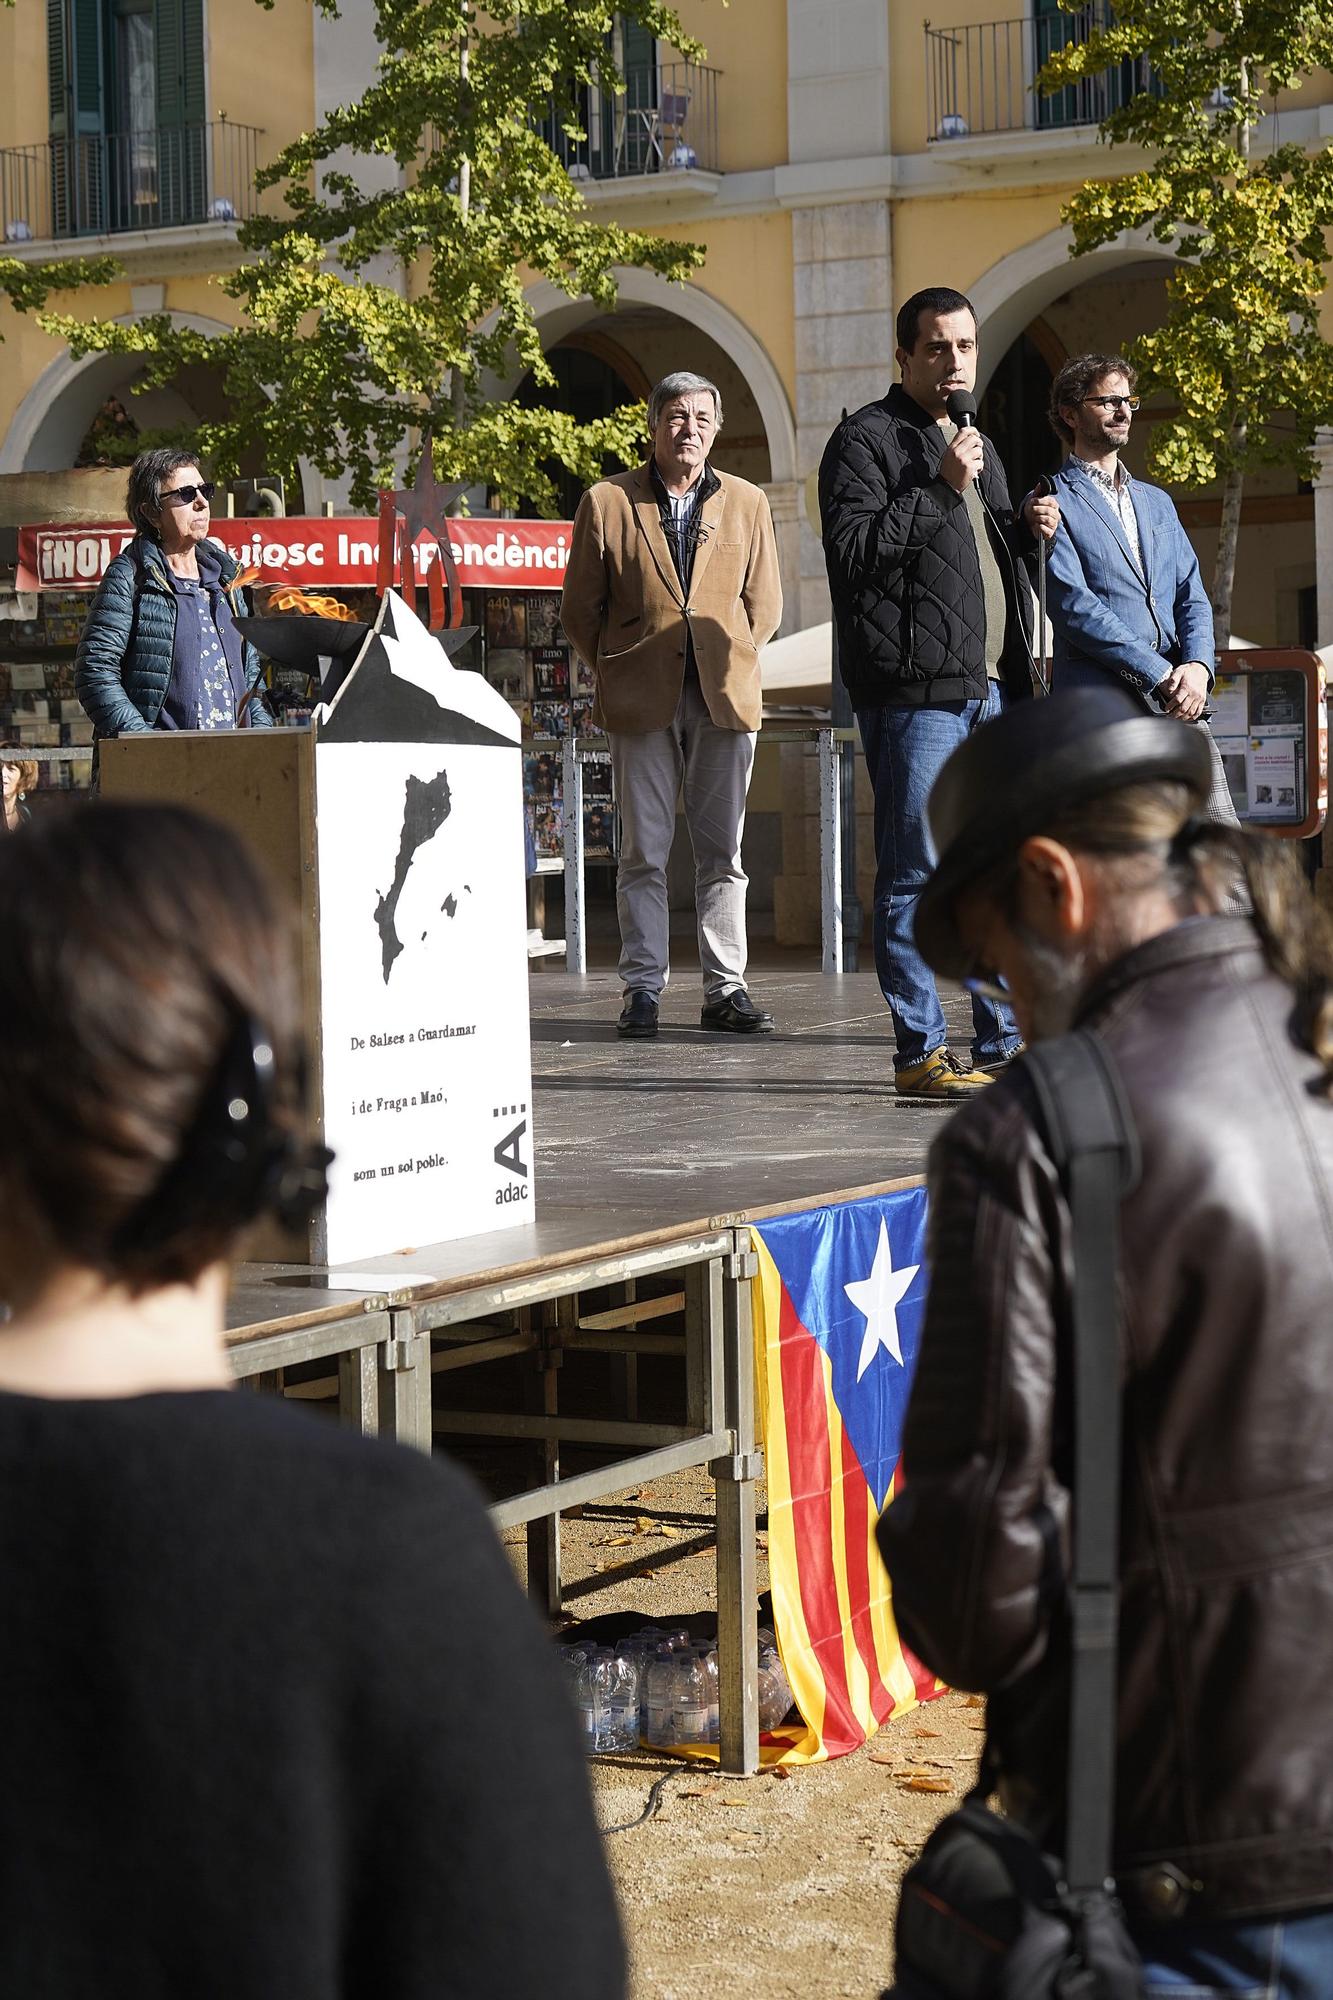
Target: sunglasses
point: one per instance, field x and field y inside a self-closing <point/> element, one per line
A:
<point x="185" y="496"/>
<point x="1113" y="402"/>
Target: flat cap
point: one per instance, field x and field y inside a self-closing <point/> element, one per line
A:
<point x="1015" y="775"/>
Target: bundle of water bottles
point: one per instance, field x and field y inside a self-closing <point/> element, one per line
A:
<point x="658" y="1686"/>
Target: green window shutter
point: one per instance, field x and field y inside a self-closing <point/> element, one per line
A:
<point x="178" y="27"/>
<point x="74" y="66"/>
<point x="638" y="59"/>
<point x="76" y="100"/>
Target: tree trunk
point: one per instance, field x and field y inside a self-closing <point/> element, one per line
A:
<point x="458" y="383"/>
<point x="1228" y="536"/>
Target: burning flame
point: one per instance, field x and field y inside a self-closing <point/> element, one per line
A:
<point x="310" y="604"/>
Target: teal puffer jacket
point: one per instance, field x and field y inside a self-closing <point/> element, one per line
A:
<point x="123" y="666"/>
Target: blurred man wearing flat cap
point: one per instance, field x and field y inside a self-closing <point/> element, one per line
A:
<point x="1077" y="876"/>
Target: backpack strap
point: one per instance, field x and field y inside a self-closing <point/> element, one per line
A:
<point x="1092" y="1141"/>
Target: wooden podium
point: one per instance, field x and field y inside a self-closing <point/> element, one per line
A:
<point x="392" y="829"/>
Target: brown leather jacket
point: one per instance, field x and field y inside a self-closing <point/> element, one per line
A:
<point x="1225" y="1765"/>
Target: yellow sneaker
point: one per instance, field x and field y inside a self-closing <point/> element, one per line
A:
<point x="942" y="1078"/>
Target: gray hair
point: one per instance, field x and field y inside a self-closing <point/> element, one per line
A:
<point x="143" y="495"/>
<point x="682" y="383"/>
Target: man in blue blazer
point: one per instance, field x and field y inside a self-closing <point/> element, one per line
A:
<point x="1126" y="601"/>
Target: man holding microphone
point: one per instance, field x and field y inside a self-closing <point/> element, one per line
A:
<point x="934" y="619"/>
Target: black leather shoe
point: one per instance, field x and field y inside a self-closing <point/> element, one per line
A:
<point x="638" y="1016"/>
<point x="736" y="1014"/>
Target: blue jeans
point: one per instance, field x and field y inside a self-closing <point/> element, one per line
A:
<point x="905" y="749"/>
<point x="1264" y="1958"/>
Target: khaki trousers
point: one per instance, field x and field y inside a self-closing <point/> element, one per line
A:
<point x="710" y="768"/>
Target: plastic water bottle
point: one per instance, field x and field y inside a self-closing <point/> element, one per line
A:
<point x="774" y="1692"/>
<point x="691" y="1699"/>
<point x="583" y="1683"/>
<point x="708" y="1658"/>
<point x="659" y="1721"/>
<point x="620" y="1722"/>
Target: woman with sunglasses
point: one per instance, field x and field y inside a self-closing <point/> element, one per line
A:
<point x="160" y="649"/>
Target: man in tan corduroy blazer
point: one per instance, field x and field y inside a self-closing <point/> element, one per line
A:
<point x="671" y="593"/>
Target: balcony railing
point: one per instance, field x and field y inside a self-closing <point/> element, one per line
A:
<point x="664" y="122"/>
<point x="104" y="184"/>
<point x="980" y="78"/>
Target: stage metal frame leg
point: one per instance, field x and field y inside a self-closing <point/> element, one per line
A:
<point x="404" y="1384"/>
<point x="544" y="1586"/>
<point x="358" y="1390"/>
<point x="737" y="1580"/>
<point x="576" y="935"/>
<point x="830" y="851"/>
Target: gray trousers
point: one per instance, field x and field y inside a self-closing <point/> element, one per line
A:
<point x="710" y="768"/>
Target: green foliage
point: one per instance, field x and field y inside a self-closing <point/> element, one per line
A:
<point x="28" y="286"/>
<point x="1240" y="352"/>
<point x="331" y="362"/>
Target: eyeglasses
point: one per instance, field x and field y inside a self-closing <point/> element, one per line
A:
<point x="1112" y="402"/>
<point x="185" y="496"/>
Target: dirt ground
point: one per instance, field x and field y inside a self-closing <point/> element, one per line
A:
<point x="779" y="1886"/>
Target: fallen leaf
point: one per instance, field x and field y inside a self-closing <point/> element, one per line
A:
<point x="920" y="1784"/>
<point x="671" y="1533"/>
<point x="645" y="1525"/>
<point x="618" y="1542"/>
<point x="782" y="1771"/>
<point x="974" y="1701"/>
<point x="742" y="1800"/>
<point x="878" y="1757"/>
<point x="927" y="1732"/>
<point x="647" y="1572"/>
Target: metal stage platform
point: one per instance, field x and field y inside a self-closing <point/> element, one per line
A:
<point x="652" y="1160"/>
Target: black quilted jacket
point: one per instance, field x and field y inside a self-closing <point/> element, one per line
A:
<point x="902" y="564"/>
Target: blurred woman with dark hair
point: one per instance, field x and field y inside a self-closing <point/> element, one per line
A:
<point x="160" y="649"/>
<point x="18" y="777"/>
<point x="278" y="1720"/>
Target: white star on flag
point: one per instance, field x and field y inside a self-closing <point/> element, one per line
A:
<point x="878" y="1298"/>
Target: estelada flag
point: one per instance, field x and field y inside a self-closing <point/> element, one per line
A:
<point x="839" y="1305"/>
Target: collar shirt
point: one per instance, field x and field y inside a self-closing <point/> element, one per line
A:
<point x="1113" y="491"/>
<point x="679" y="512"/>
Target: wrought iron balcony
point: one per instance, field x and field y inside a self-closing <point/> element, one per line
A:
<point x="981" y="78"/>
<point x="105" y="184"/>
<point x="664" y="122"/>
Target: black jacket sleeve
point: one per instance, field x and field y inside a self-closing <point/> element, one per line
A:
<point x="871" y="524"/>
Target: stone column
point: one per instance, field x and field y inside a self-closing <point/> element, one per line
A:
<point x="844" y="343"/>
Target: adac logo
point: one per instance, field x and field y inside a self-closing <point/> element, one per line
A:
<point x="507" y="1154"/>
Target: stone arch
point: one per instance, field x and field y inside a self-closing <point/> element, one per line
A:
<point x="558" y="315"/>
<point x="50" y="422"/>
<point x="1016" y="290"/>
<point x="53" y="418"/>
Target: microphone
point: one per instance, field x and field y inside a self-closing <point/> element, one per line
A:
<point x="962" y="408"/>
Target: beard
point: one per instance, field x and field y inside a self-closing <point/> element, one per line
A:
<point x="1057" y="981"/>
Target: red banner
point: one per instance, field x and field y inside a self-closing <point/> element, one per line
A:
<point x="328" y="554"/>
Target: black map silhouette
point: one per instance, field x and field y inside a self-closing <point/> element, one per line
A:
<point x="425" y="809"/>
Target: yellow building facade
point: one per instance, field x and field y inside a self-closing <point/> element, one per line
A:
<point x="831" y="156"/>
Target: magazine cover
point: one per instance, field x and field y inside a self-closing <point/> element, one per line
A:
<point x="506" y="620"/>
<point x="507" y="670"/>
<point x="550" y="671"/>
<point x="550" y="718"/>
<point x="544" y="619"/>
<point x="549" y="827"/>
<point x="541" y="775"/>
